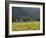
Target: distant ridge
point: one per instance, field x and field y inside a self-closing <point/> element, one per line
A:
<point x="26" y="12"/>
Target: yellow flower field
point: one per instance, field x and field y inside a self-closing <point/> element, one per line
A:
<point x="21" y="26"/>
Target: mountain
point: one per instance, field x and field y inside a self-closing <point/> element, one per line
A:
<point x="26" y="12"/>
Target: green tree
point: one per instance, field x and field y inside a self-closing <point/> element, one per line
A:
<point x="13" y="18"/>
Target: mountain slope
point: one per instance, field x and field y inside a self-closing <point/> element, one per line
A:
<point x="26" y="12"/>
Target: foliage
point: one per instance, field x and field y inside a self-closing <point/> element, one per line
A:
<point x="24" y="19"/>
<point x="13" y="19"/>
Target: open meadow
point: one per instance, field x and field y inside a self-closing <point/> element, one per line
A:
<point x="21" y="26"/>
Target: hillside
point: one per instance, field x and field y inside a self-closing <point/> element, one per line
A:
<point x="26" y="12"/>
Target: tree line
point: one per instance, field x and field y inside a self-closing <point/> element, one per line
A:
<point x="24" y="19"/>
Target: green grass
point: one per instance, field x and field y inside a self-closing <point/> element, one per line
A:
<point x="21" y="26"/>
